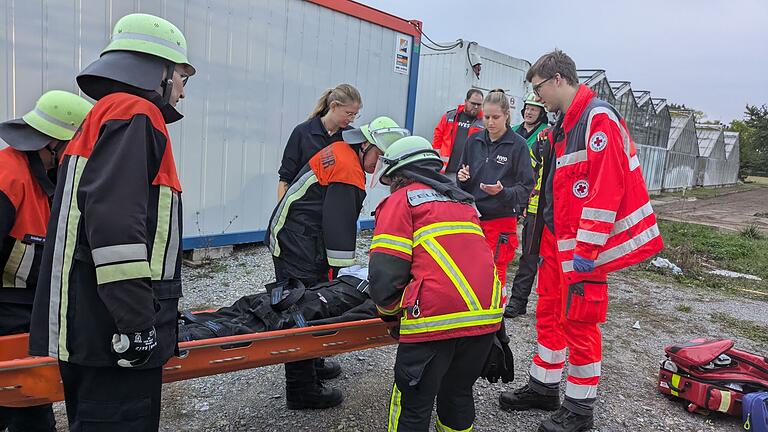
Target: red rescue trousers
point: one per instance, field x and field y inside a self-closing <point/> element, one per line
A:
<point x="501" y="236"/>
<point x="567" y="316"/>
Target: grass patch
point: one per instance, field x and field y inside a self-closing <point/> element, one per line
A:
<point x="752" y="232"/>
<point x="749" y="329"/>
<point x="696" y="249"/>
<point x="683" y="308"/>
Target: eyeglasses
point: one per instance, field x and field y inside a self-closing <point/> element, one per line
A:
<point x="184" y="79"/>
<point x="536" y="87"/>
<point x="352" y="114"/>
<point x="475" y="104"/>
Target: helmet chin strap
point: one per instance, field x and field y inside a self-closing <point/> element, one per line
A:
<point x="168" y="83"/>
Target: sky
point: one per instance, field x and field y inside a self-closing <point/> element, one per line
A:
<point x="711" y="55"/>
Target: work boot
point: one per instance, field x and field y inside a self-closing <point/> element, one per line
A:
<point x="565" y="420"/>
<point x="526" y="398"/>
<point x="316" y="396"/>
<point x="514" y="310"/>
<point x="327" y="369"/>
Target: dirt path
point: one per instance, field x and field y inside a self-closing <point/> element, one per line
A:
<point x="731" y="211"/>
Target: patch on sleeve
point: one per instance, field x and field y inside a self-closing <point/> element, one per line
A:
<point x="418" y="197"/>
<point x="581" y="189"/>
<point x="598" y="141"/>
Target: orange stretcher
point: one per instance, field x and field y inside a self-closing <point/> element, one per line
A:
<point x="28" y="381"/>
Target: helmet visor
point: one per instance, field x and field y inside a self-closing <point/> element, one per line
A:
<point x="384" y="137"/>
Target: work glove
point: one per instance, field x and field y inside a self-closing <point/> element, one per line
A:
<point x="500" y="363"/>
<point x="134" y="349"/>
<point x="583" y="265"/>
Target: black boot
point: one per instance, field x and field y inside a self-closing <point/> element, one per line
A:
<point x="526" y="398"/>
<point x="303" y="390"/>
<point x="565" y="420"/>
<point x="327" y="369"/>
<point x="514" y="310"/>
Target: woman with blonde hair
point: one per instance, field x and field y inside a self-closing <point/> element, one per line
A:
<point x="334" y="111"/>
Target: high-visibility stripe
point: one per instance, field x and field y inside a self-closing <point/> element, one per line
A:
<point x="597" y="214"/>
<point x="71" y="217"/>
<point x="551" y="356"/>
<point x="297" y="190"/>
<point x="119" y="272"/>
<point x="172" y="251"/>
<point x="633" y="161"/>
<point x="725" y="401"/>
<point x="592" y="237"/>
<point x="497" y="288"/>
<point x="571" y="158"/>
<point x="340" y="254"/>
<point x="566" y="244"/>
<point x="451" y="321"/>
<point x="119" y="253"/>
<point x="159" y="246"/>
<point x="150" y="38"/>
<point x="546" y="376"/>
<point x="453" y="272"/>
<point x="675" y="384"/>
<point x="389" y="241"/>
<point x="394" y="311"/>
<point x="579" y="391"/>
<point x="55" y="121"/>
<point x="341" y="262"/>
<point x="18" y="265"/>
<point x="394" y="409"/>
<point x="445" y="228"/>
<point x="440" y="427"/>
<point x="622" y="249"/>
<point x="632" y="219"/>
<point x="585" y="371"/>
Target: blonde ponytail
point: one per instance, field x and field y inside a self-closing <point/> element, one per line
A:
<point x="343" y="94"/>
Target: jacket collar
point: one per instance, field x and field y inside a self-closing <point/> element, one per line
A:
<point x="583" y="96"/>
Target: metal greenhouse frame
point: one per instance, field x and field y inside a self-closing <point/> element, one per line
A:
<point x="732" y="151"/>
<point x="682" y="152"/>
<point x="712" y="161"/>
<point x="597" y="81"/>
<point x="625" y="100"/>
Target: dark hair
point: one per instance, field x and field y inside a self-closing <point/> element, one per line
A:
<point x="553" y="63"/>
<point x="398" y="181"/>
<point x="470" y="92"/>
<point x="498" y="97"/>
<point x="342" y="93"/>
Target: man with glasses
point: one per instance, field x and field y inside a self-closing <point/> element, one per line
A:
<point x="594" y="217"/>
<point x="455" y="127"/>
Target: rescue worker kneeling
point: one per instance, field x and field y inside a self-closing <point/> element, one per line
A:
<point x="312" y="234"/>
<point x="430" y="266"/>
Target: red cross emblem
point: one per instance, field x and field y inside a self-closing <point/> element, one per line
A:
<point x="598" y="141"/>
<point x="581" y="188"/>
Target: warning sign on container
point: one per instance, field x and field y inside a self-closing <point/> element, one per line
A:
<point x="402" y="53"/>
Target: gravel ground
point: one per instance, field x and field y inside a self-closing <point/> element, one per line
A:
<point x="253" y="400"/>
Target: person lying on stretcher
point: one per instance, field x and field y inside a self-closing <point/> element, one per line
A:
<point x="286" y="305"/>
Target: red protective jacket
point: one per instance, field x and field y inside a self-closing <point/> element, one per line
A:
<point x="430" y="265"/>
<point x="601" y="206"/>
<point x="445" y="132"/>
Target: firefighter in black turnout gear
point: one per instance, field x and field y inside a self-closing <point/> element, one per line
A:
<point x="106" y="301"/>
<point x="27" y="181"/>
<point x="312" y="232"/>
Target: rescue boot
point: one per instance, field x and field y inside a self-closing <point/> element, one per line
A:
<point x="327" y="369"/>
<point x="526" y="398"/>
<point x="303" y="389"/>
<point x="514" y="310"/>
<point x="565" y="420"/>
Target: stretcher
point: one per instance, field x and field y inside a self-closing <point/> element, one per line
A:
<point x="28" y="381"/>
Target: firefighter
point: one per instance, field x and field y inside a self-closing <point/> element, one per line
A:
<point x="496" y="170"/>
<point x="594" y="218"/>
<point x="312" y="232"/>
<point x="455" y="128"/>
<point x="334" y="111"/>
<point x="27" y="182"/>
<point x="531" y="129"/>
<point x="431" y="270"/>
<point x="106" y="303"/>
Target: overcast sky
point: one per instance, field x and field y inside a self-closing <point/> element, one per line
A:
<point x="711" y="55"/>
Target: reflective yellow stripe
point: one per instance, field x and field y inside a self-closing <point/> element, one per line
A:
<point x="445" y="228"/>
<point x="389" y="241"/>
<point x="384" y="311"/>
<point x="394" y="409"/>
<point x="450" y="321"/>
<point x="496" y="299"/>
<point x="73" y="221"/>
<point x="444" y="260"/>
<point x="675" y="383"/>
<point x="12" y="265"/>
<point x="161" y="233"/>
<point x="297" y="190"/>
<point x="124" y="271"/>
<point x="440" y="427"/>
<point x="340" y="262"/>
<point x="725" y="401"/>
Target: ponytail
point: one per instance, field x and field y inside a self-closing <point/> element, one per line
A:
<point x="343" y="94"/>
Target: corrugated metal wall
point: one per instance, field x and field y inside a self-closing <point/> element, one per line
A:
<point x="444" y="78"/>
<point x="261" y="66"/>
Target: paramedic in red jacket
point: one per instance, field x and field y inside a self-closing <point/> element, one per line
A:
<point x="431" y="269"/>
<point x="455" y="127"/>
<point x="596" y="218"/>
